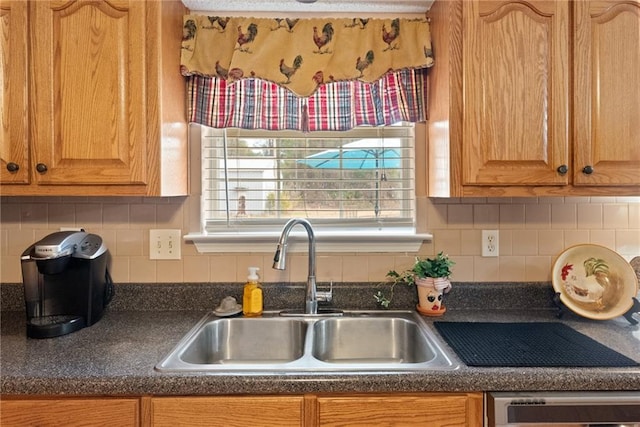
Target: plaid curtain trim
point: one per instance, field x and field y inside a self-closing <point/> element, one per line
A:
<point x="337" y="106"/>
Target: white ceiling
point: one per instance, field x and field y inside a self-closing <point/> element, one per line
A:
<point x="359" y="7"/>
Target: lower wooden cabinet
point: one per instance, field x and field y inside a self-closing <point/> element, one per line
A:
<point x="335" y="410"/>
<point x="227" y="411"/>
<point x="424" y="410"/>
<point x="70" y="412"/>
<point x="310" y="410"/>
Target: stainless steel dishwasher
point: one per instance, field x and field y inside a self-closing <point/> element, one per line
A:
<point x="576" y="409"/>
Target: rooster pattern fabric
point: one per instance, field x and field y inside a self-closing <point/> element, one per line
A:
<point x="301" y="54"/>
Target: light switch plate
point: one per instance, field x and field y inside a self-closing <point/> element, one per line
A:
<point x="164" y="244"/>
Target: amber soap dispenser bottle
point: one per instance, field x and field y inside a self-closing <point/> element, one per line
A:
<point x="252" y="296"/>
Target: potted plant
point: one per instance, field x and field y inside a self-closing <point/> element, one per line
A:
<point x="431" y="277"/>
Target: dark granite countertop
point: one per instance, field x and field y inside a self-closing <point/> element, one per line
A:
<point x="116" y="356"/>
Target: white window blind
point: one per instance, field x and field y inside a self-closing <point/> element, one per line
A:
<point x="356" y="180"/>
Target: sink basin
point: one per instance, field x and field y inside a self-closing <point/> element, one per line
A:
<point x="357" y="342"/>
<point x="246" y="341"/>
<point x="372" y="340"/>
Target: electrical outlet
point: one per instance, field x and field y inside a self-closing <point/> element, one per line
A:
<point x="490" y="245"/>
<point x="164" y="244"/>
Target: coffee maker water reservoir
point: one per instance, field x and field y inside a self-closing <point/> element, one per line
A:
<point x="66" y="283"/>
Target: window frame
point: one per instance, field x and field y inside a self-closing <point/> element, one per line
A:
<point x="408" y="239"/>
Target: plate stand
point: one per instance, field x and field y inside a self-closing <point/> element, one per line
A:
<point x="635" y="308"/>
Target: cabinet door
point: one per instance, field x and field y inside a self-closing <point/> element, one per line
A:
<point x="14" y="149"/>
<point x="70" y="412"/>
<point x="607" y="93"/>
<point x="400" y="410"/>
<point x="515" y="92"/>
<point x="88" y="92"/>
<point x="228" y="411"/>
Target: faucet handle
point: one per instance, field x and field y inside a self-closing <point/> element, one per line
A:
<point x="325" y="296"/>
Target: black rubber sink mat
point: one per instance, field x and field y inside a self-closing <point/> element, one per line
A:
<point x="537" y="344"/>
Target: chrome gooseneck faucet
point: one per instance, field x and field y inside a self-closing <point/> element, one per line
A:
<point x="312" y="295"/>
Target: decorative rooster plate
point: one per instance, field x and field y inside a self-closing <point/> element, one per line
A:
<point x="594" y="281"/>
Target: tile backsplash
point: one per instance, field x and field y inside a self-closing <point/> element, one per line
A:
<point x="533" y="231"/>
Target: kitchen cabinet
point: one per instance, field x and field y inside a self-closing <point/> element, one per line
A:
<point x="606" y="98"/>
<point x="228" y="411"/>
<point x="534" y="98"/>
<point x="70" y="412"/>
<point x="14" y="143"/>
<point x="97" y="106"/>
<point x="425" y="410"/>
<point x="332" y="410"/>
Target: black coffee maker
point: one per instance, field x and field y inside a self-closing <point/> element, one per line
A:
<point x="66" y="283"/>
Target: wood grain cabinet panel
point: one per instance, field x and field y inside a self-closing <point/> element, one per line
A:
<point x="88" y="99"/>
<point x="102" y="83"/>
<point x="516" y="92"/>
<point x="309" y="410"/>
<point x="535" y="98"/>
<point x="607" y="93"/>
<point x="14" y="142"/>
<point x="228" y="411"/>
<point x="425" y="410"/>
<point x="70" y="412"/>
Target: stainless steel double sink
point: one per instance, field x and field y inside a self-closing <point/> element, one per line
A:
<point x="356" y="342"/>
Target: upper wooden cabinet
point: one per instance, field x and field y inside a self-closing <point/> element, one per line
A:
<point x="106" y="102"/>
<point x="515" y="91"/>
<point x="14" y="135"/>
<point x="503" y="121"/>
<point x="606" y="103"/>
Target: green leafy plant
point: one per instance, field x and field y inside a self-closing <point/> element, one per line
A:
<point x="440" y="266"/>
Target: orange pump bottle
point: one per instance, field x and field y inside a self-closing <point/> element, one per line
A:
<point x="252" y="295"/>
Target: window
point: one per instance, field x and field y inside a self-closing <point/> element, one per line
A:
<point x="356" y="185"/>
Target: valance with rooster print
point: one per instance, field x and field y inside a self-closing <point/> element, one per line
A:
<point x="301" y="54"/>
